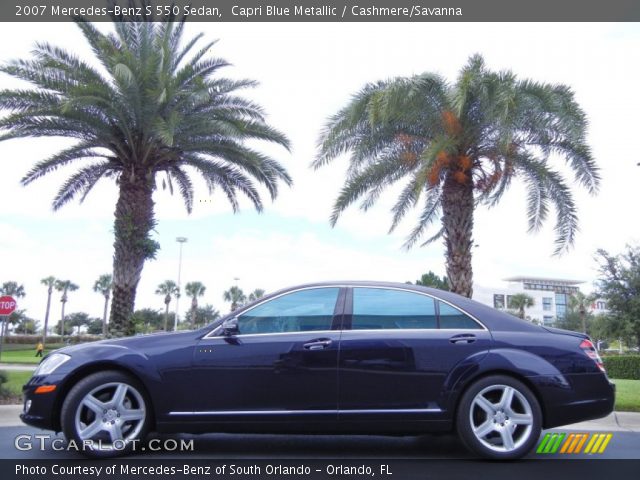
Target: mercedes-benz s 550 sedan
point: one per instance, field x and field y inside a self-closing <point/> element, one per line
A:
<point x="343" y="357"/>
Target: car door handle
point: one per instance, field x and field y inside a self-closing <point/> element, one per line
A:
<point x="317" y="344"/>
<point x="463" y="338"/>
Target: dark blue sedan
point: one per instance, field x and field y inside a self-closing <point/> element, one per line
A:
<point x="342" y="357"/>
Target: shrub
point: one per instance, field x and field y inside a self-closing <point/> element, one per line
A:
<point x="4" y="379"/>
<point x="623" y="366"/>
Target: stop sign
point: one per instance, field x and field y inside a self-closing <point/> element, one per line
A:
<point x="7" y="305"/>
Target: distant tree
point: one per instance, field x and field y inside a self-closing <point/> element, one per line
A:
<point x="103" y="286"/>
<point x="519" y="302"/>
<point x="236" y="296"/>
<point x="78" y="320"/>
<point x="147" y="320"/>
<point x="580" y="304"/>
<point x="95" y="327"/>
<point x="64" y="286"/>
<point x="432" y="280"/>
<point x="619" y="285"/>
<point x="256" y="294"/>
<point x="194" y="290"/>
<point x="206" y="314"/>
<point x="16" y="291"/>
<point x="18" y="319"/>
<point x="168" y="289"/>
<point x="50" y="283"/>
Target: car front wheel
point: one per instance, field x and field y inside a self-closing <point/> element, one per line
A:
<point x="106" y="414"/>
<point x="499" y="417"/>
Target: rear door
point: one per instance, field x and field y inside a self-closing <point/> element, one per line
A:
<point x="397" y="349"/>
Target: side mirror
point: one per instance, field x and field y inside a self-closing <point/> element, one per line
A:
<point x="230" y="327"/>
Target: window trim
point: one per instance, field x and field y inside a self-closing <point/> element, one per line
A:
<point x="348" y="312"/>
<point x="337" y="323"/>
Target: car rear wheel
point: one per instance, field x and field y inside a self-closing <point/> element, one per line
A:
<point x="106" y="414"/>
<point x="499" y="417"/>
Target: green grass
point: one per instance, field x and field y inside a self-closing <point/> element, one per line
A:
<point x="627" y="395"/>
<point x="21" y="356"/>
<point x="16" y="381"/>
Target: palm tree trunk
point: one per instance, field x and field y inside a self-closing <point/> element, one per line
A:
<point x="457" y="220"/>
<point x="166" y="317"/>
<point x="104" y="316"/>
<point x="133" y="222"/>
<point x="46" y="317"/>
<point x="62" y="321"/>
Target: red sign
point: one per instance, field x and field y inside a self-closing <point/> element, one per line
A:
<point x="7" y="305"/>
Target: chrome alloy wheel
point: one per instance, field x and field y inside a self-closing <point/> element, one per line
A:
<point x="111" y="415"/>
<point x="501" y="418"/>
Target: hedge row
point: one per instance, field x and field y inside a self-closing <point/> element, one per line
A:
<point x="33" y="339"/>
<point x="623" y="366"/>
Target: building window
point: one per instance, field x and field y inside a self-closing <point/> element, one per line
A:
<point x="498" y="301"/>
<point x="561" y="305"/>
<point x="601" y="305"/>
<point x="546" y="303"/>
<point x="547" y="320"/>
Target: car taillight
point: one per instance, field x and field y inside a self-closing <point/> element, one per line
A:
<point x="591" y="352"/>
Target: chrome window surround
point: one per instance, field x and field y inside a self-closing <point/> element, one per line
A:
<point x="211" y="335"/>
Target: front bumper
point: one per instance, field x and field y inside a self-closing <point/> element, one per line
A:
<point x="43" y="408"/>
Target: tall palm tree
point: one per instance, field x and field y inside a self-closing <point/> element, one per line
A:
<point x="64" y="286"/>
<point x="103" y="286"/>
<point x="48" y="282"/>
<point x="194" y="290"/>
<point x="15" y="290"/>
<point x="168" y="288"/>
<point x="152" y="111"/>
<point x="581" y="303"/>
<point x="459" y="145"/>
<point x="519" y="302"/>
<point x="256" y="294"/>
<point x="236" y="296"/>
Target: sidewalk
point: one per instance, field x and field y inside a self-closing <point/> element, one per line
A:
<point x="616" y="422"/>
<point x="25" y="367"/>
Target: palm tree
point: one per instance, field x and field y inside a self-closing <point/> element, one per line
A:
<point x="236" y="296"/>
<point x="103" y="286"/>
<point x="48" y="282"/>
<point x="256" y="294"/>
<point x="152" y="111"/>
<point x="168" y="288"/>
<point x="519" y="302"/>
<point x="581" y="303"/>
<point x="458" y="145"/>
<point x="14" y="290"/>
<point x="64" y="286"/>
<point x="194" y="290"/>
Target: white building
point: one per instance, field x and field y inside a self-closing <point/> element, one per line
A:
<point x="550" y="295"/>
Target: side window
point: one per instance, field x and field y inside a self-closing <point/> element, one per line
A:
<point x="377" y="308"/>
<point x="301" y="311"/>
<point x="451" y="317"/>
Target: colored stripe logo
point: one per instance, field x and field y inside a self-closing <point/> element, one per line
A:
<point x="593" y="443"/>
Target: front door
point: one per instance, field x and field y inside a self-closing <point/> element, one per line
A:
<point x="283" y="361"/>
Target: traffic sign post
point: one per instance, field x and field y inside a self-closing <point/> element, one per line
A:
<point x="7" y="307"/>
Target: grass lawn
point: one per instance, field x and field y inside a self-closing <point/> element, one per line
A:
<point x="16" y="380"/>
<point x="627" y="395"/>
<point x="21" y="356"/>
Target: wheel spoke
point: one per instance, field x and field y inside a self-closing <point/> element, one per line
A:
<point x="521" y="418"/>
<point x="91" y="430"/>
<point x="93" y="404"/>
<point x="115" y="432"/>
<point x="131" y="415"/>
<point x="485" y="405"/>
<point x="507" y="398"/>
<point x="507" y="439"/>
<point x="118" y="396"/>
<point x="483" y="429"/>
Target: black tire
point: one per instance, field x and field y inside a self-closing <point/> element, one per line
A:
<point x="103" y="384"/>
<point x="507" y="424"/>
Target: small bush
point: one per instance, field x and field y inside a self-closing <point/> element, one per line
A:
<point x="4" y="379"/>
<point x="626" y="367"/>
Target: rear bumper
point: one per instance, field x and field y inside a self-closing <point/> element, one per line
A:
<point x="579" y="398"/>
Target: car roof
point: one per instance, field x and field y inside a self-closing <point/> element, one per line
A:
<point x="493" y="319"/>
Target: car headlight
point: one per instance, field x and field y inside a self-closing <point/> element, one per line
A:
<point x="49" y="364"/>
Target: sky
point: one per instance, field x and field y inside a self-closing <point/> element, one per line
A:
<point x="307" y="72"/>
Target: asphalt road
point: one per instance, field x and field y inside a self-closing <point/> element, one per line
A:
<point x="623" y="445"/>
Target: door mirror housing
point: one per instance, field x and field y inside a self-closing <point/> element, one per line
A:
<point x="230" y="327"/>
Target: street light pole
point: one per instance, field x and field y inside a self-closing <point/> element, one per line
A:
<point x="181" y="241"/>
